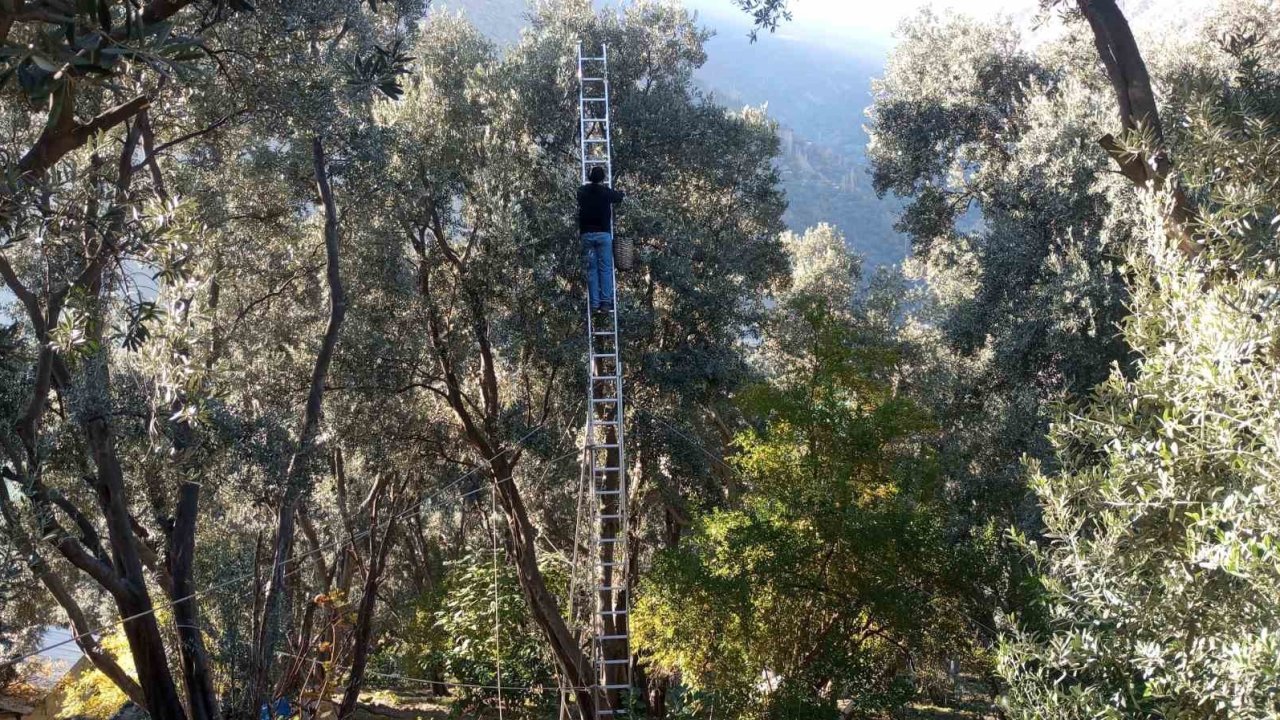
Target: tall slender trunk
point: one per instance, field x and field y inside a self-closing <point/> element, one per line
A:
<point x="274" y="605"/>
<point x="575" y="665"/>
<point x="202" y="699"/>
<point x="483" y="437"/>
<point x="379" y="548"/>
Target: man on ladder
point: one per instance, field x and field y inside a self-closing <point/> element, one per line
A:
<point x="605" y="446"/>
<point x="595" y="224"/>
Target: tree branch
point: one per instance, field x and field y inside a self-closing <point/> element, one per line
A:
<point x="26" y="297"/>
<point x="152" y="153"/>
<point x="62" y="134"/>
<point x="272" y="612"/>
<point x="80" y="627"/>
<point x="1136" y="104"/>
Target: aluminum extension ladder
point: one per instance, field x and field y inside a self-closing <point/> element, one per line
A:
<point x="605" y="450"/>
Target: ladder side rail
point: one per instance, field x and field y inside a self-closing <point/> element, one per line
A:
<point x="620" y="553"/>
<point x="592" y="467"/>
<point x="608" y="483"/>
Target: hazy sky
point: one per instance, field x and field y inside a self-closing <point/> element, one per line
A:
<point x="862" y="18"/>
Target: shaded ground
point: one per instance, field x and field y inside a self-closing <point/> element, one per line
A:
<point x="386" y="705"/>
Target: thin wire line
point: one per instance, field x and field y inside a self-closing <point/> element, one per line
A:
<point x="497" y="596"/>
<point x="696" y="444"/>
<point x="447" y="683"/>
<point x="249" y="576"/>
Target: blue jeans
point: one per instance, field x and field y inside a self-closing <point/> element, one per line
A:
<point x="597" y="260"/>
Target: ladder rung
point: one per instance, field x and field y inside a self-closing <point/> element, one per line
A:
<point x="616" y="687"/>
<point x="609" y="541"/>
<point x="607" y="469"/>
<point x="589" y="79"/>
<point x="610" y="517"/>
<point x="613" y="612"/>
<point x="595" y="99"/>
<point x="608" y="492"/>
<point x="606" y="446"/>
<point x="596" y="161"/>
<point x="601" y="58"/>
<point x="611" y="588"/>
<point x="613" y="637"/>
<point x="605" y="422"/>
<point x="595" y="141"/>
<point x="591" y="119"/>
<point x="606" y="400"/>
<point x="616" y="662"/>
<point x="610" y="564"/>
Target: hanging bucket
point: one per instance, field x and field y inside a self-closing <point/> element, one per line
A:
<point x="624" y="253"/>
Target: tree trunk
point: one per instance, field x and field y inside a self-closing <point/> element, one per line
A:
<point x="80" y="626"/>
<point x="297" y="477"/>
<point x="377" y="564"/>
<point x="134" y="602"/>
<point x="575" y="665"/>
<point x="1136" y="104"/>
<point x="202" y="699"/>
<point x="483" y="438"/>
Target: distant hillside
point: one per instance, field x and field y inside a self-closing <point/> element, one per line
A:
<point x="819" y="94"/>
<point x="498" y="19"/>
<point x="818" y="89"/>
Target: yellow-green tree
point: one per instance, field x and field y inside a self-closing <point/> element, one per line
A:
<point x="831" y="577"/>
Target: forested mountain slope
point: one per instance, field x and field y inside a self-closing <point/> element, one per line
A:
<point x="816" y="91"/>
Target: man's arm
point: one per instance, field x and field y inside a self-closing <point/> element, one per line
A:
<point x="615" y="196"/>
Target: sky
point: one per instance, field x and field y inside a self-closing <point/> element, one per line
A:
<point x="862" y="19"/>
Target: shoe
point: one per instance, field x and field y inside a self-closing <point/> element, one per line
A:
<point x="606" y="307"/>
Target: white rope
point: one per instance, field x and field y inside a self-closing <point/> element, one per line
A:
<point x="572" y="599"/>
<point x="446" y="683"/>
<point x="497" y="596"/>
<point x="253" y="575"/>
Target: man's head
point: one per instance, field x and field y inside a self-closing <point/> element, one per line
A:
<point x="596" y="174"/>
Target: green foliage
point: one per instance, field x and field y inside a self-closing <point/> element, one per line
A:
<point x="1160" y="569"/>
<point x="830" y="578"/>
<point x="1016" y="220"/>
<point x="765" y="14"/>
<point x="453" y="633"/>
<point x="91" y="695"/>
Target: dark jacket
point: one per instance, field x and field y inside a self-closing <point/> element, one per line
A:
<point x="595" y="213"/>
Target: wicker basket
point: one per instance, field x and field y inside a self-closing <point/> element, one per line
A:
<point x="624" y="253"/>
